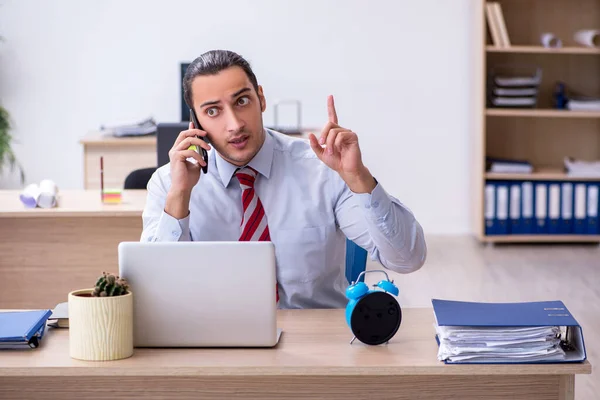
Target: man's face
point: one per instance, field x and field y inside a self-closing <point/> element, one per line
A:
<point x="230" y="111"/>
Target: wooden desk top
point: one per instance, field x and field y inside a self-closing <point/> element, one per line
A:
<point x="314" y="342"/>
<point x="75" y="203"/>
<point x="104" y="138"/>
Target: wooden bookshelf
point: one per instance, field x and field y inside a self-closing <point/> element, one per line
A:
<point x="541" y="113"/>
<point x="543" y="175"/>
<point x="543" y="135"/>
<point x="542" y="50"/>
<point x="540" y="238"/>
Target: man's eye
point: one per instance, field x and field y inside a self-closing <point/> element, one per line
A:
<point x="242" y="101"/>
<point x="211" y="112"/>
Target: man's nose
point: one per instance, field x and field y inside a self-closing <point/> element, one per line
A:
<point x="234" y="122"/>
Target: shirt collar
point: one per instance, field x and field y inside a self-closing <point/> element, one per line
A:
<point x="261" y="162"/>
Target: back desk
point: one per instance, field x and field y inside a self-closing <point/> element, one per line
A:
<point x="45" y="253"/>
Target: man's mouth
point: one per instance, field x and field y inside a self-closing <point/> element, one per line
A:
<point x="239" y="142"/>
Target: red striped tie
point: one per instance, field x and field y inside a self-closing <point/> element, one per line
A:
<point x="254" y="221"/>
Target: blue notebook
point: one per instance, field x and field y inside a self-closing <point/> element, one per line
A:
<point x="504" y="315"/>
<point x="22" y="329"/>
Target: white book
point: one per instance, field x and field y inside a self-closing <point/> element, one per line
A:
<point x="493" y="24"/>
<point x="501" y="25"/>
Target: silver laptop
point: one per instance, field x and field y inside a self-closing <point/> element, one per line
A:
<point x="201" y="294"/>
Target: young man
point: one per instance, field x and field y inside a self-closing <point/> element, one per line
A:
<point x="262" y="185"/>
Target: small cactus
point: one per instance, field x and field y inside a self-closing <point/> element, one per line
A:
<point x="110" y="285"/>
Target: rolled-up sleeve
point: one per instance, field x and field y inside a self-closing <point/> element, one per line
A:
<point x="158" y="226"/>
<point x="384" y="227"/>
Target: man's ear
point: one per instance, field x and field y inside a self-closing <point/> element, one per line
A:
<point x="261" y="97"/>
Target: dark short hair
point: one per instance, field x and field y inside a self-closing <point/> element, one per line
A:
<point x="211" y="63"/>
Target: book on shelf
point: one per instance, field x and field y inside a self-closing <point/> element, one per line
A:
<point x="497" y="24"/>
<point x="506" y="166"/>
<point x="583" y="104"/>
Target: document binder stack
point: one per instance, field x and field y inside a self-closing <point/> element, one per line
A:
<point x="499" y="333"/>
<point x="514" y="207"/>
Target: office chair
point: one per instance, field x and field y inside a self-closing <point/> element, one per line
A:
<point x="138" y="179"/>
<point x="356" y="260"/>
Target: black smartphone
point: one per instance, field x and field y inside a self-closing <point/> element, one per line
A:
<point x="202" y="151"/>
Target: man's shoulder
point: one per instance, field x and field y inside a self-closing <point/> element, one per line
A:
<point x="163" y="172"/>
<point x="292" y="147"/>
<point x="297" y="155"/>
<point x="162" y="176"/>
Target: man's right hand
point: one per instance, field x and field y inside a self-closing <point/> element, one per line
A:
<point x="184" y="174"/>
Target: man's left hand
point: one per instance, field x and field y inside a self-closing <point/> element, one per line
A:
<point x="342" y="153"/>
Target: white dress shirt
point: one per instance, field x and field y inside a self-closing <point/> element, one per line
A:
<point x="310" y="211"/>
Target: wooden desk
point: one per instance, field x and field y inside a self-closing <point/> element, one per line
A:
<point x="121" y="156"/>
<point x="313" y="360"/>
<point x="45" y="253"/>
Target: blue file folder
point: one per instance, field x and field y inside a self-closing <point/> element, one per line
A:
<point x="579" y="208"/>
<point x="553" y="215"/>
<point x="592" y="208"/>
<point x="515" y="209"/>
<point x="566" y="207"/>
<point x="490" y="208"/>
<point x="502" y="221"/>
<point x="22" y="329"/>
<point x="527" y="314"/>
<point x="541" y="207"/>
<point x="527" y="208"/>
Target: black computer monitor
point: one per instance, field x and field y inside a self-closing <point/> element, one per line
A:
<point x="185" y="111"/>
<point x="166" y="133"/>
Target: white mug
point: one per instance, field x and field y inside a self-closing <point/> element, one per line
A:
<point x="48" y="194"/>
<point x="30" y="195"/>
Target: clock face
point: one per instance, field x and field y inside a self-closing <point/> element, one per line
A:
<point x="376" y="318"/>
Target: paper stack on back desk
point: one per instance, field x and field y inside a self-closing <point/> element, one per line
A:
<point x="529" y="332"/>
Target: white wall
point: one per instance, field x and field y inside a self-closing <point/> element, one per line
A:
<point x="400" y="71"/>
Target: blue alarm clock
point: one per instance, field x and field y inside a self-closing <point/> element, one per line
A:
<point x="373" y="315"/>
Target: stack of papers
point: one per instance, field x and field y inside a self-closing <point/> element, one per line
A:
<point x="142" y="128"/>
<point x="519" y="344"/>
<point x="514" y="86"/>
<point x="583" y="169"/>
<point x="583" y="103"/>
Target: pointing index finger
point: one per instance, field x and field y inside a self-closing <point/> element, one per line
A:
<point x="331" y="110"/>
